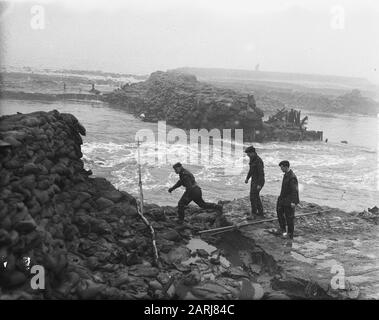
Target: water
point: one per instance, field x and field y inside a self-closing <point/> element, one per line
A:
<point x="334" y="174"/>
<point x="197" y="243"/>
<point x="357" y="130"/>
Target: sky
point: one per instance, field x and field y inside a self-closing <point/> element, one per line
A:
<point x="142" y="36"/>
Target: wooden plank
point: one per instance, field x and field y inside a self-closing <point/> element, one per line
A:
<point x="233" y="227"/>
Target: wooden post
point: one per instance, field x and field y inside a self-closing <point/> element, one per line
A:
<point x="140" y="177"/>
<point x="140" y="210"/>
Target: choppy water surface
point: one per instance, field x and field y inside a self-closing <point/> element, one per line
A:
<point x="333" y="173"/>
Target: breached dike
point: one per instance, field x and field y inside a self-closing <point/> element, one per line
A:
<point x="182" y="101"/>
<point x="91" y="243"/>
<point x="86" y="235"/>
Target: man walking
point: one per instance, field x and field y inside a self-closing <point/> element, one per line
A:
<point x="256" y="173"/>
<point x="192" y="193"/>
<point x="287" y="201"/>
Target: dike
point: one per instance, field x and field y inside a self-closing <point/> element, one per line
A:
<point x="92" y="244"/>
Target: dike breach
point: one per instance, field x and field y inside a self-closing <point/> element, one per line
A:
<point x="92" y="244"/>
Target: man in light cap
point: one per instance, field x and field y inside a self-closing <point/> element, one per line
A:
<point x="192" y="193"/>
<point x="257" y="175"/>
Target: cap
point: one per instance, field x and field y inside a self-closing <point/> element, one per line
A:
<point x="250" y="149"/>
<point x="285" y="163"/>
<point x="177" y="165"/>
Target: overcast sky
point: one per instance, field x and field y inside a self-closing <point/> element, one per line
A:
<point x="140" y="36"/>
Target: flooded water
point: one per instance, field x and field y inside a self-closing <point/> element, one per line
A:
<point x="197" y="243"/>
<point x="335" y="174"/>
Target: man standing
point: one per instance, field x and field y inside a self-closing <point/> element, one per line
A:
<point x="192" y="193"/>
<point x="287" y="201"/>
<point x="256" y="173"/>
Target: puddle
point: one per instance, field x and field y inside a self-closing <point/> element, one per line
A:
<point x="197" y="243"/>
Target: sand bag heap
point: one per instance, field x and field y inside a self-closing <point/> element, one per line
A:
<point x="182" y="101"/>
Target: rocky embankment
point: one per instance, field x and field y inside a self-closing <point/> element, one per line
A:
<point x="88" y="236"/>
<point x="186" y="103"/>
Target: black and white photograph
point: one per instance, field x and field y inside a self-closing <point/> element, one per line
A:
<point x="208" y="151"/>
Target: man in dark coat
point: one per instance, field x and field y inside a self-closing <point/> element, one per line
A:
<point x="287" y="201"/>
<point x="257" y="175"/>
<point x="192" y="193"/>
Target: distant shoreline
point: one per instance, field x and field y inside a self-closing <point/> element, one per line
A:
<point x="76" y="85"/>
<point x="38" y="96"/>
<point x="21" y="95"/>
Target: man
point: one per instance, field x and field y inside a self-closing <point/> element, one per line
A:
<point x="192" y="193"/>
<point x="256" y="173"/>
<point x="287" y="201"/>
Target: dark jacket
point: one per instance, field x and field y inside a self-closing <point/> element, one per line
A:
<point x="256" y="171"/>
<point x="290" y="189"/>
<point x="186" y="179"/>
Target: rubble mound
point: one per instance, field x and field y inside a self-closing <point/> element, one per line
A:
<point x="182" y="101"/>
<point x="371" y="215"/>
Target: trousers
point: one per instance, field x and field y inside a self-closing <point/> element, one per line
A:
<point x="195" y="194"/>
<point x="255" y="200"/>
<point x="286" y="218"/>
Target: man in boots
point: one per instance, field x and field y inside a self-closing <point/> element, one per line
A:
<point x="192" y="193"/>
<point x="256" y="173"/>
<point x="287" y="201"/>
